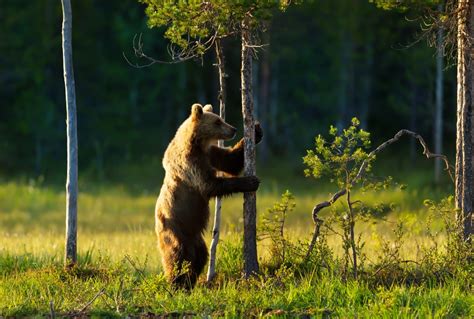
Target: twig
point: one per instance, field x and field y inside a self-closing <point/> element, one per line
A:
<point x="178" y="55"/>
<point x="134" y="265"/>
<point x="393" y="263"/>
<point x="317" y="229"/>
<point x="97" y="295"/>
<point x="51" y="309"/>
<point x="362" y="171"/>
<point x="142" y="273"/>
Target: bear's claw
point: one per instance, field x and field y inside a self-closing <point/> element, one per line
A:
<point x="258" y="132"/>
<point x="252" y="183"/>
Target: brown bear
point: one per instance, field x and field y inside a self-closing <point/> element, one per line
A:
<point x="192" y="162"/>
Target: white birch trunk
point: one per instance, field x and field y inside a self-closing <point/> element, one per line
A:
<point x="211" y="272"/>
<point x="71" y="183"/>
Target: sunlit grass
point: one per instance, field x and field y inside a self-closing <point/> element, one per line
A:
<point x="115" y="223"/>
<point x="118" y="254"/>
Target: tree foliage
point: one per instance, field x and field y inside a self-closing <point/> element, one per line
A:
<point x="191" y="25"/>
<point x="404" y="4"/>
<point x="128" y="115"/>
<point x="340" y="158"/>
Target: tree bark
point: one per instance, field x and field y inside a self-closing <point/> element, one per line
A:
<point x="250" y="198"/>
<point x="438" y="127"/>
<point x="70" y="93"/>
<point x="211" y="272"/>
<point x="464" y="135"/>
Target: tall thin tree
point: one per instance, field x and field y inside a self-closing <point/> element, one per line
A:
<point x="70" y="93"/>
<point x="211" y="272"/>
<point x="250" y="199"/>
<point x="465" y="98"/>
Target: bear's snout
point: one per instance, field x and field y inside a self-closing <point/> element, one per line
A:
<point x="234" y="131"/>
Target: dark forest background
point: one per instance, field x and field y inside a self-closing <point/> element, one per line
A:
<point x="326" y="62"/>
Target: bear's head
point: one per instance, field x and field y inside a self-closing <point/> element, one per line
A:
<point x="210" y="127"/>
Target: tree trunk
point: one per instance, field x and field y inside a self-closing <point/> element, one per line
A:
<point x="211" y="272"/>
<point x="464" y="135"/>
<point x="250" y="198"/>
<point x="438" y="127"/>
<point x="71" y="183"/>
<point x="255" y="89"/>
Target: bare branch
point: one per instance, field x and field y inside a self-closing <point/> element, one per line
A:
<point x="178" y="54"/>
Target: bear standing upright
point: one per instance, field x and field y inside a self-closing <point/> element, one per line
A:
<point x="191" y="162"/>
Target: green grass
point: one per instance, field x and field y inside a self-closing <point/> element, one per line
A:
<point x="120" y="265"/>
<point x="125" y="291"/>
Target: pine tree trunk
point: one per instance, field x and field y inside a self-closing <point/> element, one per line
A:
<point x="71" y="183"/>
<point x="250" y="199"/>
<point x="438" y="127"/>
<point x="211" y="272"/>
<point x="464" y="135"/>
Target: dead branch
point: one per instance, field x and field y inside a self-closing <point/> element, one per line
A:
<point x="362" y="171"/>
<point x="178" y="54"/>
<point x="317" y="229"/>
<point x="392" y="264"/>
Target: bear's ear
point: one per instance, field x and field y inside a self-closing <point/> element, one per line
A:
<point x="207" y="108"/>
<point x="196" y="111"/>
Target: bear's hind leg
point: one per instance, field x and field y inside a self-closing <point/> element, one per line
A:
<point x="200" y="257"/>
<point x="195" y="260"/>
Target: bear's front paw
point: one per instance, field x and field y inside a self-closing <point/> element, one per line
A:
<point x="258" y="132"/>
<point x="251" y="183"/>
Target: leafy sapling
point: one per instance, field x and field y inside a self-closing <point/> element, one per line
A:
<point x="345" y="160"/>
<point x="273" y="227"/>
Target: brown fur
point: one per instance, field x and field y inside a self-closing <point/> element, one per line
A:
<point x="192" y="161"/>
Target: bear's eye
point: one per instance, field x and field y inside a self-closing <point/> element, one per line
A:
<point x="217" y="122"/>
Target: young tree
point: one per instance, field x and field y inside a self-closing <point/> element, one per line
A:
<point x="71" y="183"/>
<point x="211" y="272"/>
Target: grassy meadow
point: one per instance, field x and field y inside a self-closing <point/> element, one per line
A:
<point x="119" y="271"/>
